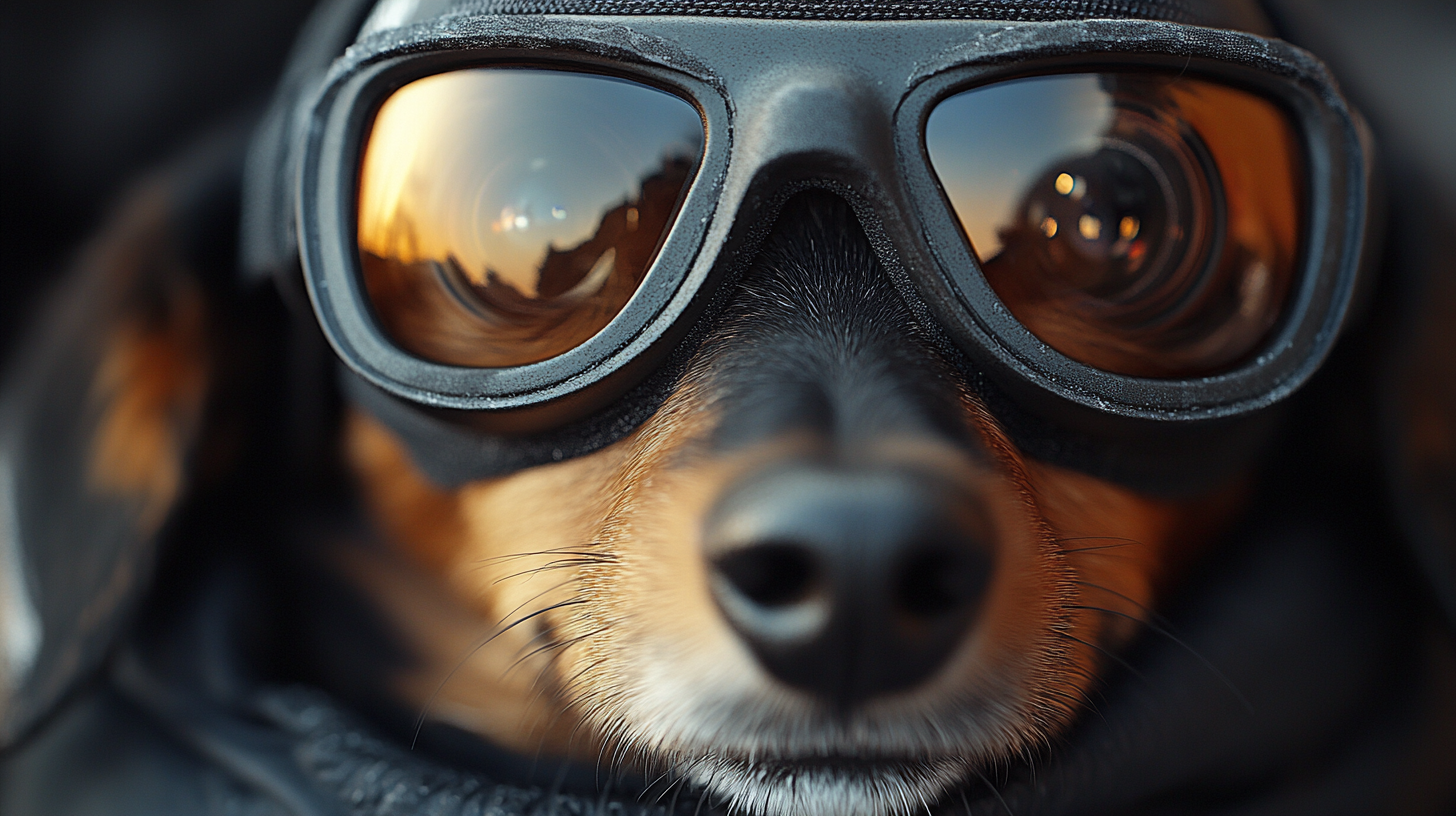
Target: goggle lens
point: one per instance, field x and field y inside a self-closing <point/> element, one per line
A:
<point x="506" y="215"/>
<point x="1141" y="223"/>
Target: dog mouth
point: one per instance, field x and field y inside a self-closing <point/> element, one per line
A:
<point x="826" y="785"/>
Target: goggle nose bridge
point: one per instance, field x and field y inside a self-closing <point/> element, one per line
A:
<point x="822" y="115"/>
<point x="822" y="129"/>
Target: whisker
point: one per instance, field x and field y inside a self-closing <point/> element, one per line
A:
<point x="904" y="800"/>
<point x="1109" y="655"/>
<point x="1152" y="613"/>
<point x="994" y="791"/>
<point x="550" y="566"/>
<point x="545" y="632"/>
<point x="527" y="573"/>
<point x="548" y="551"/>
<point x="1170" y="636"/>
<point x="680" y="785"/>
<point x="541" y="686"/>
<point x="702" y="797"/>
<point x="708" y="786"/>
<point x="1121" y="542"/>
<point x="536" y="597"/>
<point x="680" y="782"/>
<point x="676" y="786"/>
<point x="587" y="555"/>
<point x="602" y="798"/>
<point x="559" y="644"/>
<point x="597" y="706"/>
<point x="618" y="757"/>
<point x="567" y="685"/>
<point x="643" y="795"/>
<point x="1101" y="550"/>
<point x="1084" y="701"/>
<point x="924" y="803"/>
<point x="424" y="712"/>
<point x="1029" y="759"/>
<point x="601" y="752"/>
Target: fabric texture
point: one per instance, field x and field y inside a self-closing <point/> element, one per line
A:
<point x="861" y="9"/>
<point x="1289" y="681"/>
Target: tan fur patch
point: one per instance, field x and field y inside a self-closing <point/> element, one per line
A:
<point x="152" y="378"/>
<point x="599" y="629"/>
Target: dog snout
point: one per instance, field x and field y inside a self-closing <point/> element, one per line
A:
<point x="848" y="583"/>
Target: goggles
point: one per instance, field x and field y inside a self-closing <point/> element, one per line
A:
<point x="1115" y="221"/>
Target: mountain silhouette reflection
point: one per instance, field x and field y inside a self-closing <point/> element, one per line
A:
<point x="437" y="310"/>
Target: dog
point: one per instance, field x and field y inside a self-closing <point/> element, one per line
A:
<point x="632" y="595"/>
<point x="821" y="576"/>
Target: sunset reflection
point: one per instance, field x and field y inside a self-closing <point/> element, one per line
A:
<point x="506" y="214"/>
<point x="1139" y="222"/>
<point x="989" y="145"/>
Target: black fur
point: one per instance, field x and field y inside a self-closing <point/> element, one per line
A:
<point x="815" y="337"/>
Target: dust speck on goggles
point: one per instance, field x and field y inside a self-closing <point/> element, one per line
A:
<point x="1136" y="220"/>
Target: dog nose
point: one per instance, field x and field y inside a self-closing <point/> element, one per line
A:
<point x="848" y="583"/>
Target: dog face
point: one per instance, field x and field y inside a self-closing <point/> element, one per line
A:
<point x="818" y="579"/>
<point x="820" y="576"/>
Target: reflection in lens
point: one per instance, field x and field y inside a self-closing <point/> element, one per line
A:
<point x="506" y="215"/>
<point x="1141" y="223"/>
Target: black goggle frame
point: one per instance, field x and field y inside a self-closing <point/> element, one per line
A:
<point x="793" y="103"/>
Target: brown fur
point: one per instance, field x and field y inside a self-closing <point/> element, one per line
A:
<point x="570" y="570"/>
<point x="150" y="384"/>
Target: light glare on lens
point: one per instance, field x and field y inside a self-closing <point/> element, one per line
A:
<point x="506" y="214"/>
<point x="1142" y="223"/>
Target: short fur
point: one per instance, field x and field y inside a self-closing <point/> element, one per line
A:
<point x="580" y="621"/>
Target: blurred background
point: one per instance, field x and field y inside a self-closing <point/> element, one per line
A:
<point x="95" y="92"/>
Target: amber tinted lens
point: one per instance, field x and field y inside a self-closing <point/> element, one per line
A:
<point x="1141" y="223"/>
<point x="506" y="215"/>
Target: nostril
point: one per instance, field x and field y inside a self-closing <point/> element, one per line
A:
<point x="771" y="575"/>
<point x="934" y="582"/>
<point x="849" y="583"/>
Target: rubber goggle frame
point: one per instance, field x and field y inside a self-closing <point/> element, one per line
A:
<point x="843" y="105"/>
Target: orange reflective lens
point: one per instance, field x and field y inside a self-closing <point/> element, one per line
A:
<point x="1141" y="223"/>
<point x="506" y="215"/>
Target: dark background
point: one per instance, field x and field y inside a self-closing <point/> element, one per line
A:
<point x="95" y="92"/>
